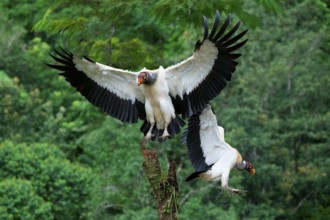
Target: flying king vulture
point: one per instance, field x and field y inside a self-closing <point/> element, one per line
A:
<point x="211" y="156"/>
<point x="158" y="96"/>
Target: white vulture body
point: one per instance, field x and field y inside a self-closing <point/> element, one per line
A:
<point x="211" y="156"/>
<point x="158" y="103"/>
<point x="159" y="97"/>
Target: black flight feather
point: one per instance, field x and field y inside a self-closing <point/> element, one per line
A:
<point x="193" y="142"/>
<point x="215" y="25"/>
<point x="223" y="28"/>
<point x="194" y="175"/>
<point x="206" y="28"/>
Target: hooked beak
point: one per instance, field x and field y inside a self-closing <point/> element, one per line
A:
<point x="140" y="81"/>
<point x="253" y="171"/>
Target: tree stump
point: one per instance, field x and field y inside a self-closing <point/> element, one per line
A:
<point x="164" y="186"/>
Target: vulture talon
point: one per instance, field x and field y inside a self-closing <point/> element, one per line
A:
<point x="164" y="138"/>
<point x="148" y="136"/>
<point x="240" y="192"/>
<point x="235" y="191"/>
<point x="165" y="135"/>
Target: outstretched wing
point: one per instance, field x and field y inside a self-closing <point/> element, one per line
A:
<point x="200" y="78"/>
<point x="204" y="140"/>
<point x="115" y="91"/>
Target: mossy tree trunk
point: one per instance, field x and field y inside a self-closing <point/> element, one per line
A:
<point x="164" y="186"/>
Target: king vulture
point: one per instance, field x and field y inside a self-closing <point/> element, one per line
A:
<point x="210" y="155"/>
<point x="157" y="96"/>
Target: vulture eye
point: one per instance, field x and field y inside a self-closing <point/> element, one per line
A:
<point x="145" y="76"/>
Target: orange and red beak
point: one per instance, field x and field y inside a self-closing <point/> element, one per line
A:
<point x="253" y="171"/>
<point x="140" y="80"/>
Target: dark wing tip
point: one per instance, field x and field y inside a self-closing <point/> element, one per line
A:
<point x="215" y="25"/>
<point x="217" y="14"/>
<point x="223" y="28"/>
<point x="236" y="46"/>
<point x="206" y="28"/>
<point x="215" y="37"/>
<point x="57" y="67"/>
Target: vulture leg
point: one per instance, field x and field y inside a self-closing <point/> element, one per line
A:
<point x="165" y="133"/>
<point x="233" y="190"/>
<point x="148" y="135"/>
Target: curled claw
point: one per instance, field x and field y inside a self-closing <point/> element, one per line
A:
<point x="236" y="191"/>
<point x="165" y="135"/>
<point x="239" y="192"/>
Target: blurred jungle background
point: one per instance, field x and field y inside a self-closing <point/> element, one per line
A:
<point x="62" y="158"/>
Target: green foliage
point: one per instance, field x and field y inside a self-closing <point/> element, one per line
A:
<point x="192" y="210"/>
<point x="19" y="200"/>
<point x="124" y="54"/>
<point x="65" y="185"/>
<point x="5" y="81"/>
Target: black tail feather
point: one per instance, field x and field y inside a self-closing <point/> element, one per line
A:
<point x="194" y="175"/>
<point x="174" y="128"/>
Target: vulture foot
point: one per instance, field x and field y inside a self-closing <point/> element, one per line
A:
<point x="148" y="136"/>
<point x="165" y="135"/>
<point x="236" y="191"/>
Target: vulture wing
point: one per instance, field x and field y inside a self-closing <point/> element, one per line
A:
<point x="204" y="140"/>
<point x="115" y="91"/>
<point x="201" y="77"/>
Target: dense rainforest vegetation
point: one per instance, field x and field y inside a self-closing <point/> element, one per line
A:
<point x="62" y="158"/>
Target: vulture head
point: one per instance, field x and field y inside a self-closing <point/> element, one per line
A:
<point x="147" y="78"/>
<point x="245" y="165"/>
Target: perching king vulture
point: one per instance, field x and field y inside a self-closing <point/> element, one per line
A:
<point x="158" y="96"/>
<point x="210" y="155"/>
